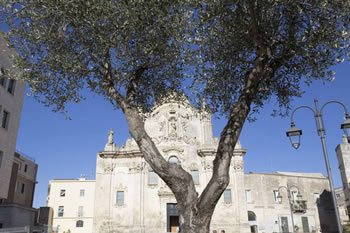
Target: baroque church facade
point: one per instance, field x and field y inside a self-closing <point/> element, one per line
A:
<point x="127" y="186"/>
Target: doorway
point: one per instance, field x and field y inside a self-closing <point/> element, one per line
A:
<point x="173" y="222"/>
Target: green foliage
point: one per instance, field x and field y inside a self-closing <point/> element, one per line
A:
<point x="299" y="40"/>
<point x="206" y="49"/>
<point x="65" y="46"/>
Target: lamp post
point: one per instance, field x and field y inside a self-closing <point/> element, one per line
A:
<point x="289" y="195"/>
<point x="294" y="134"/>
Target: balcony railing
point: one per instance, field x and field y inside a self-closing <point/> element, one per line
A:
<point x="299" y="206"/>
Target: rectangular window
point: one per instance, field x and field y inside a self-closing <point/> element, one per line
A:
<point x="2" y="77"/>
<point x="25" y="168"/>
<point x="276" y="196"/>
<point x="284" y="224"/>
<point x="195" y="176"/>
<point x="62" y="193"/>
<point x="248" y="195"/>
<point x="5" y="119"/>
<point x="11" y="86"/>
<point x="22" y="188"/>
<point x="305" y="223"/>
<point x="152" y="178"/>
<point x="227" y="196"/>
<point x="60" y="211"/>
<point x="1" y="157"/>
<point x="120" y="197"/>
<point x="294" y="195"/>
<point x="80" y="211"/>
<point x="82" y="192"/>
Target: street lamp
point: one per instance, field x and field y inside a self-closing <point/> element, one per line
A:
<point x="289" y="195"/>
<point x="294" y="135"/>
<point x="346" y="126"/>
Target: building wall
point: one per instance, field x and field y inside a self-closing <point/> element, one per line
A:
<point x="11" y="103"/>
<point x="270" y="211"/>
<point x="71" y="201"/>
<point x="23" y="180"/>
<point x="343" y="155"/>
<point x="343" y="211"/>
<point x="13" y="215"/>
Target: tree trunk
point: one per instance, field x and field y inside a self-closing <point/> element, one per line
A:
<point x="192" y="222"/>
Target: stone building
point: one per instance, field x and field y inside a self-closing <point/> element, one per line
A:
<point x="343" y="155"/>
<point x="17" y="171"/>
<point x="16" y="210"/>
<point x="343" y="210"/>
<point x="11" y="98"/>
<point x="130" y="197"/>
<point x="269" y="197"/>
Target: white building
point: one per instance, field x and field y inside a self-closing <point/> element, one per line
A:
<point x="11" y="98"/>
<point x="130" y="197"/>
<point x="73" y="204"/>
<point x="343" y="155"/>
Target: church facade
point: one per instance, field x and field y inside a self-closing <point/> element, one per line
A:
<point x="126" y="185"/>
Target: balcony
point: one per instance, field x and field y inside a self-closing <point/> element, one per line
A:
<point x="299" y="206"/>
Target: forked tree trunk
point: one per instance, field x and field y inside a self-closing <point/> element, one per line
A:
<point x="195" y="212"/>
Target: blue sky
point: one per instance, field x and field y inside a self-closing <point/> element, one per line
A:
<point x="67" y="148"/>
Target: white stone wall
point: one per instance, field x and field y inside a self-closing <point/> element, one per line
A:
<point x="12" y="104"/>
<point x="269" y="212"/>
<point x="71" y="202"/>
<point x="343" y="155"/>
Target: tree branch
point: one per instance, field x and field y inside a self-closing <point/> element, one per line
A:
<point x="178" y="180"/>
<point x="229" y="137"/>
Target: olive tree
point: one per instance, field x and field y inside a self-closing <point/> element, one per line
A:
<point x="235" y="55"/>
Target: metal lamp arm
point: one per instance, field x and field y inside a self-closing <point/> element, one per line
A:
<point x="303" y="106"/>
<point x="295" y="187"/>
<point x="336" y="102"/>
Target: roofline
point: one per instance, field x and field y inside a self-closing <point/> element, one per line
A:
<point x="288" y="175"/>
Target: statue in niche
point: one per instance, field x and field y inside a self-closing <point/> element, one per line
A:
<point x="172" y="127"/>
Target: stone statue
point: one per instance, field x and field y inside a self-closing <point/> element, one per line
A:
<point x="110" y="137"/>
<point x="110" y="145"/>
<point x="172" y="128"/>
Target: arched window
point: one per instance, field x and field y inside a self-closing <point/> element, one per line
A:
<point x="79" y="223"/>
<point x="251" y="216"/>
<point x="174" y="159"/>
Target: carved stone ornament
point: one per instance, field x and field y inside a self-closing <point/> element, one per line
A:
<point x="238" y="164"/>
<point x="108" y="167"/>
<point x="135" y="168"/>
<point x="207" y="165"/>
